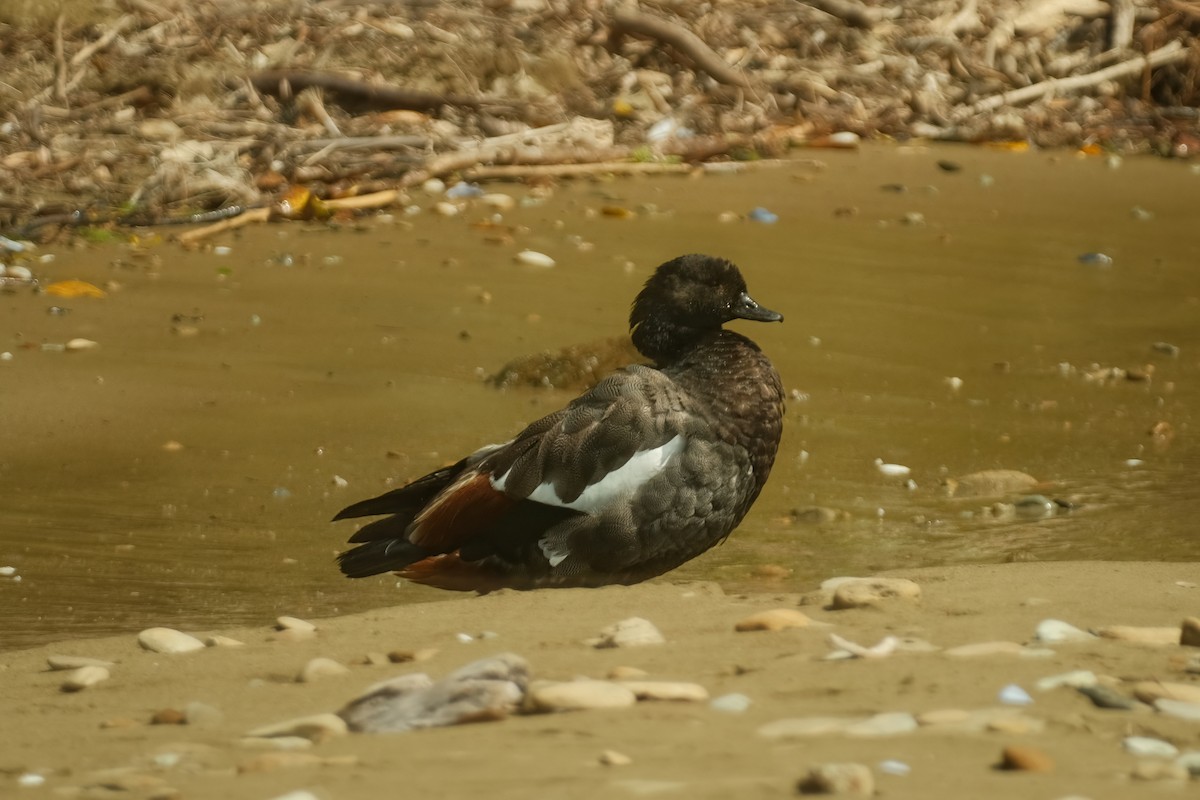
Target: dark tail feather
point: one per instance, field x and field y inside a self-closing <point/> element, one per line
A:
<point x="407" y="500"/>
<point x="379" y="556"/>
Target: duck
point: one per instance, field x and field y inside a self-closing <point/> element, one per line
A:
<point x="651" y="467"/>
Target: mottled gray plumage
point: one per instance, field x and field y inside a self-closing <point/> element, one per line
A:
<point x="498" y="518"/>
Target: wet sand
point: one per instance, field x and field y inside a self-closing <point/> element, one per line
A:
<point x="89" y="742"/>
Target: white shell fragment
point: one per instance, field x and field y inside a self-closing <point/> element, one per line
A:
<point x="532" y="258"/>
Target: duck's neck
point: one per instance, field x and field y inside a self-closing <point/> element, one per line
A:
<point x="664" y="341"/>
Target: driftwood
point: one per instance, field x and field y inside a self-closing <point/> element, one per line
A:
<point x="854" y="13"/>
<point x="682" y="40"/>
<point x="356" y="203"/>
<point x="1168" y="54"/>
<point x="352" y="93"/>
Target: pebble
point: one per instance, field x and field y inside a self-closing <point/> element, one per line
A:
<point x="319" y="668"/>
<point x="612" y="758"/>
<point x="871" y="592"/>
<point x="986" y="649"/>
<point x="1025" y="759"/>
<point x="848" y="778"/>
<point x="1096" y="259"/>
<point x="168" y="640"/>
<point x="445" y="209"/>
<point x="1107" y="697"/>
<point x="275" y="743"/>
<point x="1147" y="746"/>
<point x="498" y="201"/>
<point x="85" y="677"/>
<point x="30" y="779"/>
<point x="1149" y="691"/>
<point x="732" y="703"/>
<point x="777" y="619"/>
<point x="298" y="794"/>
<point x="1191" y="762"/>
<point x="892" y="470"/>
<point x="631" y="632"/>
<point x="989" y="483"/>
<point x="893" y="767"/>
<point x="1129" y="633"/>
<point x="487" y="689"/>
<point x="579" y="696"/>
<point x="532" y="258"/>
<point x="762" y="215"/>
<point x="1158" y="771"/>
<point x="7" y="572"/>
<point x="1075" y="679"/>
<point x="803" y="727"/>
<point x="75" y="662"/>
<point x="624" y="673"/>
<point x="168" y="716"/>
<point x="667" y="690"/>
<point x="315" y="728"/>
<point x="1013" y="695"/>
<point x="1178" y="708"/>
<point x="75" y="345"/>
<point x="1189" y="633"/>
<point x="295" y="624"/>
<point x="1055" y="631"/>
<point x="1034" y="506"/>
<point x="222" y="641"/>
<point x="202" y="714"/>
<point x="887" y="724"/>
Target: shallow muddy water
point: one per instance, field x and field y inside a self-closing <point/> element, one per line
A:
<point x="306" y="358"/>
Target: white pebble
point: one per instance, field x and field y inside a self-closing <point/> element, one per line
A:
<point x="1147" y="746"/>
<point x="75" y="345"/>
<point x="1055" y="630"/>
<point x="6" y="356"/>
<point x="954" y="383"/>
<point x="222" y="250"/>
<point x="20" y="273"/>
<point x="1178" y="708"/>
<point x="168" y="640"/>
<point x="30" y="779"/>
<point x="294" y="624"/>
<point x="632" y="632"/>
<point x="465" y="638"/>
<point x="733" y="703"/>
<point x="340" y="482"/>
<point x="533" y="258"/>
<point x="84" y="677"/>
<point x="8" y="572"/>
<point x="434" y="186"/>
<point x="894" y="767"/>
<point x="1074" y="679"/>
<point x="501" y="202"/>
<point x="891" y="470"/>
<point x="445" y="209"/>
<point x="1013" y="695"/>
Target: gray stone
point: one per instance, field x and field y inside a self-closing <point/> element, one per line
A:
<point x="1147" y="746"/>
<point x="487" y="689"/>
<point x="733" y="703"/>
<point x="1107" y="697"/>
<point x="1178" y="708"/>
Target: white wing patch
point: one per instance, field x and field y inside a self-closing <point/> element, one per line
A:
<point x="619" y="483"/>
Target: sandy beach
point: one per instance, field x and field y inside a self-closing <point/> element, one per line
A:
<point x="100" y="741"/>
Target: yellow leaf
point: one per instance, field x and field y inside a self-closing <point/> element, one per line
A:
<point x="74" y="288"/>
